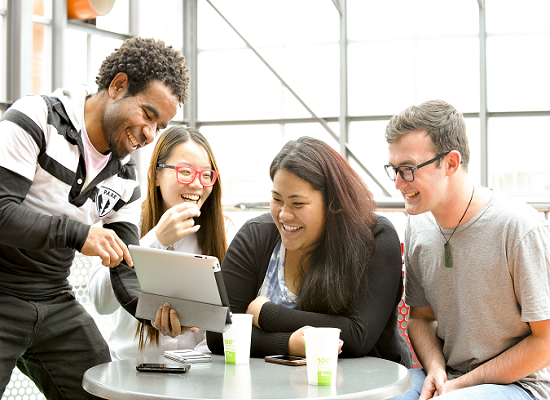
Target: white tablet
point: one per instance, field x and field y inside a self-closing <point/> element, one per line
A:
<point x="179" y="275"/>
<point x="191" y="283"/>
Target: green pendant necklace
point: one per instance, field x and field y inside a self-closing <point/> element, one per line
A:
<point x="446" y="246"/>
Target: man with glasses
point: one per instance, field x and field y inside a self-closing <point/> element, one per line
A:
<point x="477" y="268"/>
<point x="67" y="184"/>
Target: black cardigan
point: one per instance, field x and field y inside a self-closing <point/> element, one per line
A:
<point x="370" y="328"/>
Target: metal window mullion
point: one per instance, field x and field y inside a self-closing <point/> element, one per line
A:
<point x="343" y="119"/>
<point x="90" y="75"/>
<point x="483" y="121"/>
<point x="20" y="47"/>
<point x="139" y="157"/>
<point x="134" y="18"/>
<point x="59" y="25"/>
<point x="190" y="109"/>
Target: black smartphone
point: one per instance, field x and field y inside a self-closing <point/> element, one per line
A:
<point x="286" y="360"/>
<point x="154" y="367"/>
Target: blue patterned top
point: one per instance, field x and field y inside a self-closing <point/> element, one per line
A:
<point x="274" y="286"/>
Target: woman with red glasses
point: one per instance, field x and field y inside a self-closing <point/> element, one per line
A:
<point x="182" y="180"/>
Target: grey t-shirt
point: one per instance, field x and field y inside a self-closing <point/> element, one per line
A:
<point x="499" y="281"/>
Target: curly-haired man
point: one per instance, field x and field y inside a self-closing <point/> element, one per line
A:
<point x="68" y="183"/>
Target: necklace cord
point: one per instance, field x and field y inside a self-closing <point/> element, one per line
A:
<point x="463" y="215"/>
<point x="446" y="246"/>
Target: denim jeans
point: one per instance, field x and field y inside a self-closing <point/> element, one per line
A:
<point x="485" y="392"/>
<point x="52" y="341"/>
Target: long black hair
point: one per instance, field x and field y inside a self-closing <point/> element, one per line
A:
<point x="336" y="268"/>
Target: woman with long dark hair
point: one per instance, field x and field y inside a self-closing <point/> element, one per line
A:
<point x="322" y="258"/>
<point x="182" y="212"/>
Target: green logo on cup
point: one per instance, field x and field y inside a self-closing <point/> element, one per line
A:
<point x="230" y="357"/>
<point x="323" y="378"/>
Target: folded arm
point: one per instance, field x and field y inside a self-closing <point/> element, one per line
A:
<point x="524" y="358"/>
<point x="244" y="268"/>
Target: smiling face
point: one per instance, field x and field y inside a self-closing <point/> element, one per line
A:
<point x="422" y="194"/>
<point x="298" y="211"/>
<point x="131" y="122"/>
<point x="190" y="154"/>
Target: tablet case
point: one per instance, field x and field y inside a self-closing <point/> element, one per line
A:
<point x="211" y="317"/>
<point x="191" y="313"/>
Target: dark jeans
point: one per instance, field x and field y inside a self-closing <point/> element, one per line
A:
<point x="52" y="341"/>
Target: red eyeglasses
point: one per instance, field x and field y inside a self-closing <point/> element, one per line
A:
<point x="186" y="175"/>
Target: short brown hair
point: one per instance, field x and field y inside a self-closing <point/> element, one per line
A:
<point x="444" y="124"/>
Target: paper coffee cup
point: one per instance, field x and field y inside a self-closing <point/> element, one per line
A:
<point x="322" y="355"/>
<point x="236" y="340"/>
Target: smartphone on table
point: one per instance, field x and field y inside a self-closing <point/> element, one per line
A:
<point x="158" y="367"/>
<point x="286" y="360"/>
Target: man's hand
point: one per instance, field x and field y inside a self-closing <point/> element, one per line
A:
<point x="167" y="322"/>
<point x="434" y="384"/>
<point x="106" y="244"/>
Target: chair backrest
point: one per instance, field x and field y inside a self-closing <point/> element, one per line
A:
<point x="403" y="317"/>
<point x="80" y="272"/>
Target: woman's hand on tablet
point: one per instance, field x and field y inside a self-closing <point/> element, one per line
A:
<point x="177" y="222"/>
<point x="168" y="323"/>
<point x="255" y="307"/>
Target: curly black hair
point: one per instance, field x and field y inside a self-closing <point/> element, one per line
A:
<point x="144" y="60"/>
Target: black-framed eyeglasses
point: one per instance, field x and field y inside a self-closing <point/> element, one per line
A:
<point x="186" y="175"/>
<point x="406" y="172"/>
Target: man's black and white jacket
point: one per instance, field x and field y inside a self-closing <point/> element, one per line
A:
<point x="45" y="215"/>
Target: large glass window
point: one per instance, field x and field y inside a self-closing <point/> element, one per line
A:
<point x="518" y="55"/>
<point x="517" y="72"/>
<point x="407" y="52"/>
<point x="117" y="20"/>
<point x="76" y="57"/>
<point x="312" y="71"/>
<point x="85" y="53"/>
<point x="101" y="47"/>
<point x="235" y="84"/>
<point x="369" y="145"/>
<point x="518" y="155"/>
<point x="399" y="54"/>
<point x="244" y="154"/>
<point x="162" y="21"/>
